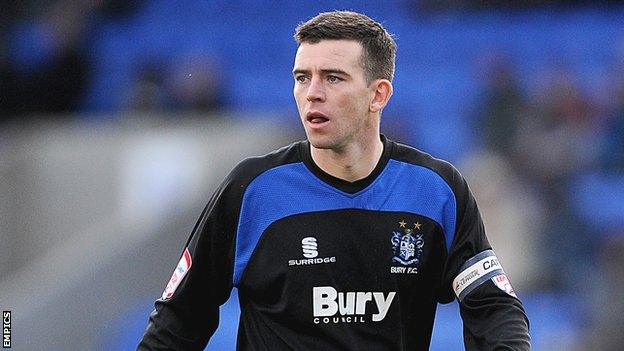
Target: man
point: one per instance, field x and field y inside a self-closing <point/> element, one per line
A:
<point x="346" y="241"/>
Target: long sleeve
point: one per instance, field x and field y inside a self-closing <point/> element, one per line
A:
<point x="494" y="320"/>
<point x="187" y="314"/>
<point x="492" y="315"/>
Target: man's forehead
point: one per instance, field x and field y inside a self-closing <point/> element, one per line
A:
<point x="334" y="51"/>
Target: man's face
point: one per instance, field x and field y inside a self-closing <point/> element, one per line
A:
<point x="332" y="95"/>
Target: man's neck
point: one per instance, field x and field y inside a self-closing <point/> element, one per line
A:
<point x="351" y="163"/>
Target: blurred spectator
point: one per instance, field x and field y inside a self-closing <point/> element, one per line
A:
<point x="543" y="144"/>
<point x="148" y="93"/>
<point x="558" y="137"/>
<point x="502" y="109"/>
<point x="555" y="142"/>
<point x="512" y="217"/>
<point x="190" y="84"/>
<point x="606" y="305"/>
<point x="612" y="155"/>
<point x="429" y="6"/>
<point x="195" y="84"/>
<point x="8" y="92"/>
<point x="45" y="68"/>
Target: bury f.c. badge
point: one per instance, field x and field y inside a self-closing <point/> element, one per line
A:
<point x="406" y="244"/>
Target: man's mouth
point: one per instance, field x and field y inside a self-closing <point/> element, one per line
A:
<point x="316" y="117"/>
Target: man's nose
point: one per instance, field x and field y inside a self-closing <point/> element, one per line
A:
<point x="315" y="90"/>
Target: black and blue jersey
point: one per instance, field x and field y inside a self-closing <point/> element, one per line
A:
<point x="325" y="264"/>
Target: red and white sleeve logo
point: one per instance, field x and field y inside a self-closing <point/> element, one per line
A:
<point x="178" y="274"/>
<point x="503" y="283"/>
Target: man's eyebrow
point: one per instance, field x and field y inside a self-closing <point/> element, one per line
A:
<point x="323" y="71"/>
<point x="334" y="71"/>
<point x="300" y="71"/>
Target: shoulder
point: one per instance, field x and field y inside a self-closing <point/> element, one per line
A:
<point x="230" y="192"/>
<point x="250" y="168"/>
<point x="443" y="169"/>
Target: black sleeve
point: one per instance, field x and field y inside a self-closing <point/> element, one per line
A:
<point x="187" y="314"/>
<point x="494" y="320"/>
<point x="493" y="317"/>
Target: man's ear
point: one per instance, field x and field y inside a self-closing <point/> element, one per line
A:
<point x="382" y="93"/>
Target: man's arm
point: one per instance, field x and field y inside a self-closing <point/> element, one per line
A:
<point x="187" y="314"/>
<point x="494" y="320"/>
<point x="493" y="317"/>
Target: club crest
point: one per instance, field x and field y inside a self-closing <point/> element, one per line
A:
<point x="407" y="246"/>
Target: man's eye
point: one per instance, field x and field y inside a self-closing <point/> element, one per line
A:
<point x="333" y="79"/>
<point x="301" y="79"/>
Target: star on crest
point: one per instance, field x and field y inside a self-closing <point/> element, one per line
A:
<point x="402" y="224"/>
<point x="417" y="226"/>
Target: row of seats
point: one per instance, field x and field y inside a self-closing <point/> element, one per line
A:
<point x="440" y="66"/>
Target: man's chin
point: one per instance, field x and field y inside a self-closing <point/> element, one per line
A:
<point x="321" y="146"/>
<point x="322" y="143"/>
<point x="325" y="141"/>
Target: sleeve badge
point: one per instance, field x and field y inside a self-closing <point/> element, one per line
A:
<point x="178" y="274"/>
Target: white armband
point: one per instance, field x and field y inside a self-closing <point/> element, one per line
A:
<point x="475" y="272"/>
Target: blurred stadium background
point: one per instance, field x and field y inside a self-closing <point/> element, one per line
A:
<point x="118" y="119"/>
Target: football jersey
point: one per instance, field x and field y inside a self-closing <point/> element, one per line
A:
<point x="325" y="264"/>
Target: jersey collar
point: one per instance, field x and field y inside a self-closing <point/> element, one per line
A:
<point x="341" y="184"/>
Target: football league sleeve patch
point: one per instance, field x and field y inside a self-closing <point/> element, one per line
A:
<point x="178" y="274"/>
<point x="503" y="283"/>
<point x="477" y="270"/>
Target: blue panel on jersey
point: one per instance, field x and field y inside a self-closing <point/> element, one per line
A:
<point x="292" y="189"/>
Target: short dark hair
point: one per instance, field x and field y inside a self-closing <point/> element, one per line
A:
<point x="378" y="46"/>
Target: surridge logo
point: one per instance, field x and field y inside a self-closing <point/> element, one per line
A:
<point x="309" y="246"/>
<point x="331" y="306"/>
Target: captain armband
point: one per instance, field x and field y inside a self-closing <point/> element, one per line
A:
<point x="476" y="271"/>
